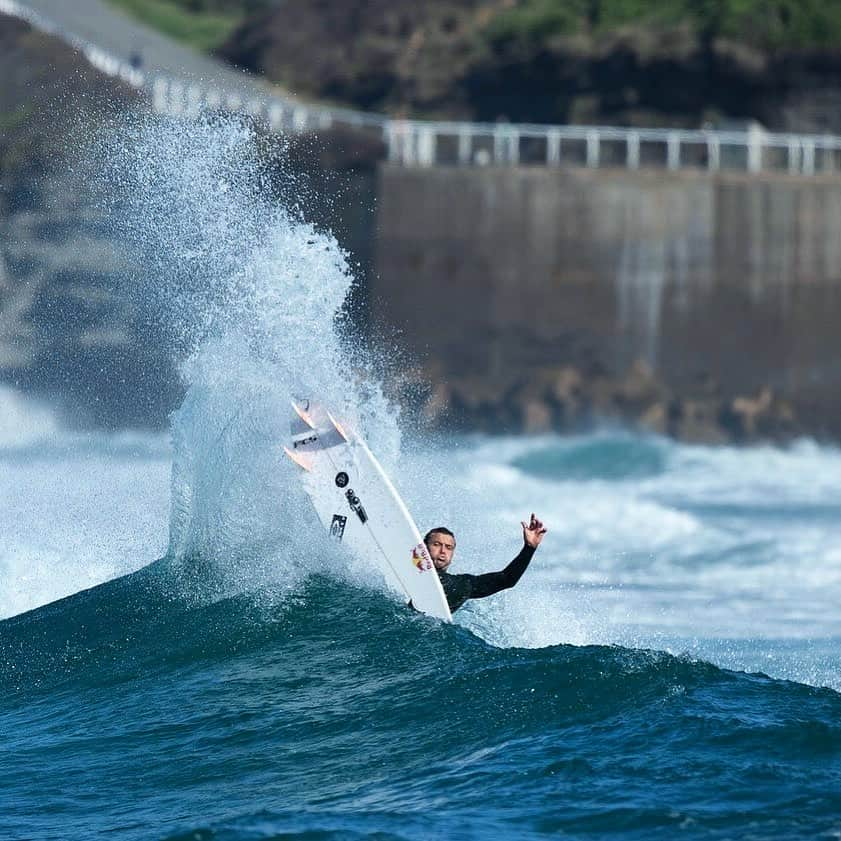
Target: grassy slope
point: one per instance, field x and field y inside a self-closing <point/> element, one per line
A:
<point x="769" y="24"/>
<point x="205" y="24"/>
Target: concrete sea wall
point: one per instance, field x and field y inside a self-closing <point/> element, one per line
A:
<point x="697" y="305"/>
<point x="705" y="307"/>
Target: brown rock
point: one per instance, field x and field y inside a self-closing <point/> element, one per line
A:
<point x="640" y="384"/>
<point x="537" y="417"/>
<point x="566" y="384"/>
<point x="751" y="409"/>
<point x="655" y="419"/>
<point x="697" y="422"/>
<point x="604" y="396"/>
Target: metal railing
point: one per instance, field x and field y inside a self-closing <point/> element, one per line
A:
<point x="180" y="98"/>
<point x="417" y="143"/>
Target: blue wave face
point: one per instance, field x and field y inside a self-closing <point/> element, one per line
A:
<point x="604" y="457"/>
<point x="148" y="712"/>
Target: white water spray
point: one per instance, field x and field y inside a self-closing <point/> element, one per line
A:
<point x="251" y="297"/>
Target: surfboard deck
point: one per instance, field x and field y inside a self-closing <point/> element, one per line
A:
<point x="359" y="506"/>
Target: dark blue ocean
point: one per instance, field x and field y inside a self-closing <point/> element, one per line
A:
<point x="650" y="686"/>
<point x="185" y="655"/>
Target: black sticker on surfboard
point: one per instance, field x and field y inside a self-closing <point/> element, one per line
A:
<point x="355" y="505"/>
<point x="337" y="527"/>
<point x="310" y="439"/>
<point x="342" y="479"/>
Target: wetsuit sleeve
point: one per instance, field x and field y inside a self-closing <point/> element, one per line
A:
<point x="493" y="582"/>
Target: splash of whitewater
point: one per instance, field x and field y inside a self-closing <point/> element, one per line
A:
<point x="250" y="295"/>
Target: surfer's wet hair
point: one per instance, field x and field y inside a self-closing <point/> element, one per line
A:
<point x="438" y="530"/>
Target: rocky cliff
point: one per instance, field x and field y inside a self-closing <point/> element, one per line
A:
<point x="65" y="328"/>
<point x="70" y="325"/>
<point x="549" y="61"/>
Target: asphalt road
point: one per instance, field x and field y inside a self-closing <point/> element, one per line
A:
<point x="111" y="30"/>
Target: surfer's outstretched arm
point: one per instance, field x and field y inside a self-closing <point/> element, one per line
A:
<point x="493" y="582"/>
<point x="460" y="588"/>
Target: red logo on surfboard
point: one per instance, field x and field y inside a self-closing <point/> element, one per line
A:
<point x="421" y="559"/>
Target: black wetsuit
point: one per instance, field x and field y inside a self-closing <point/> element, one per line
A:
<point x="459" y="588"/>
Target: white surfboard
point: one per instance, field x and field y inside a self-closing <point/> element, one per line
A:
<point x="360" y="507"/>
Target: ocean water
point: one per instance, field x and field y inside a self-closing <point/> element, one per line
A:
<point x="184" y="654"/>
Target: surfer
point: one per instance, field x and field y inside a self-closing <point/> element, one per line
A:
<point x="441" y="543"/>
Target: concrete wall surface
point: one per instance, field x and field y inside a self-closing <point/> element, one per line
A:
<point x="495" y="275"/>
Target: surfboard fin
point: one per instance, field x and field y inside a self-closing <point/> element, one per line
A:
<point x="337" y="426"/>
<point x="303" y="414"/>
<point x="303" y="463"/>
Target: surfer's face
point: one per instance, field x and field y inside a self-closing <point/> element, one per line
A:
<point x="441" y="548"/>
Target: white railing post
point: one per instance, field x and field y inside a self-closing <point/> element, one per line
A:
<point x="410" y="145"/>
<point x="136" y="78"/>
<point x="754" y="149"/>
<point x="828" y="154"/>
<point x="390" y="134"/>
<point x="632" y="156"/>
<point x="673" y="151"/>
<point x="325" y="119"/>
<point x="275" y="114"/>
<point x="299" y="118"/>
<point x="553" y="147"/>
<point x="426" y="146"/>
<point x="194" y="98"/>
<point x="159" y="94"/>
<point x="794" y="161"/>
<point x="465" y="144"/>
<point x="499" y="146"/>
<point x="713" y="153"/>
<point x="808" y="157"/>
<point x="176" y="97"/>
<point x="514" y="147"/>
<point x="592" y="149"/>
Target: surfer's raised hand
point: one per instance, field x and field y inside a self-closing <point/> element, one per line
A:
<point x="533" y="532"/>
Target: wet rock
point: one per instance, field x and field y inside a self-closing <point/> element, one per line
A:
<point x="697" y="421"/>
<point x="566" y="384"/>
<point x="655" y="419"/>
<point x="566" y="400"/>
<point x="640" y="388"/>
<point x="537" y="417"/>
<point x="750" y="409"/>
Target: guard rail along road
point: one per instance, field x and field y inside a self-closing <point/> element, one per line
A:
<point x="418" y="143"/>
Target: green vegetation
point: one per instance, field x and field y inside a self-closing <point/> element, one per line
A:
<point x="201" y="24"/>
<point x="769" y="24"/>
